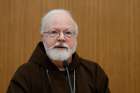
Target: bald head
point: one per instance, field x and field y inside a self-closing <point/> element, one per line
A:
<point x="58" y="17"/>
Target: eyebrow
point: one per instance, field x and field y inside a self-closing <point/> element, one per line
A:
<point x="66" y="29"/>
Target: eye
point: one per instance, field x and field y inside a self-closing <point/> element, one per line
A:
<point x="68" y="33"/>
<point x="53" y="32"/>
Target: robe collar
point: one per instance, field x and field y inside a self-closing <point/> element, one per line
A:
<point x="40" y="57"/>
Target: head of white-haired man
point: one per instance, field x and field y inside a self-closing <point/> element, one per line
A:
<point x="59" y="35"/>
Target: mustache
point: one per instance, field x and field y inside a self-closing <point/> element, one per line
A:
<point x="61" y="45"/>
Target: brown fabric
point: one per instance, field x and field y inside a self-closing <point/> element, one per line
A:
<point x="32" y="77"/>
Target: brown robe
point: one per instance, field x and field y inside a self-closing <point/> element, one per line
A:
<point x="40" y="75"/>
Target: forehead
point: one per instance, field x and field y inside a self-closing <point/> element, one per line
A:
<point x="62" y="20"/>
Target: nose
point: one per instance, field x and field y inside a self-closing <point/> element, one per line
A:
<point x="61" y="37"/>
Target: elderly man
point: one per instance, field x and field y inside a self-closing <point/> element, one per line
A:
<point x="54" y="66"/>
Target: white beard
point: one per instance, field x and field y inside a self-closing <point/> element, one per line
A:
<point x="60" y="54"/>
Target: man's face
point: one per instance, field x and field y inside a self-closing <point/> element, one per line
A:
<point x="59" y="38"/>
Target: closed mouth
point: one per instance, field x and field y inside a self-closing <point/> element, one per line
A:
<point x="61" y="47"/>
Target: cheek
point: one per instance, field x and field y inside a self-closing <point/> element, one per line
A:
<point x="48" y="42"/>
<point x="72" y="43"/>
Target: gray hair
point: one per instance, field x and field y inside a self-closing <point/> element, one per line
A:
<point x="46" y="19"/>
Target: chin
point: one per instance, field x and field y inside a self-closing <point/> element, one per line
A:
<point x="57" y="54"/>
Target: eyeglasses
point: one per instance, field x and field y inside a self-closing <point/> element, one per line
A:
<point x="55" y="34"/>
